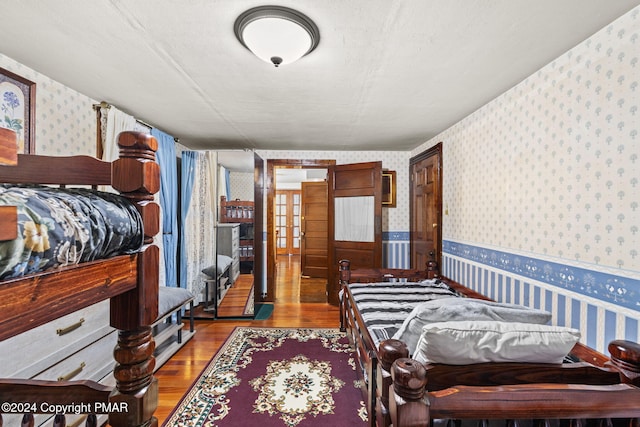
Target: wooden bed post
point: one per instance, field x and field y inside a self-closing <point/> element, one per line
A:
<point x="433" y="271"/>
<point x="137" y="176"/>
<point x="389" y="351"/>
<point x="625" y="358"/>
<point x="345" y="271"/>
<point x="408" y="405"/>
<point x="343" y="274"/>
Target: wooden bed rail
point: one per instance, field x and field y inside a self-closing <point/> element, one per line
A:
<point x="410" y="404"/>
<point x="371" y="275"/>
<point x="58" y="170"/>
<point x="622" y="367"/>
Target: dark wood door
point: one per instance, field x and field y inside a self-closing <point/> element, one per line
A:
<point x="314" y="225"/>
<point x="355" y="219"/>
<point x="426" y="207"/>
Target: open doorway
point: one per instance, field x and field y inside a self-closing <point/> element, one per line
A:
<point x="286" y="234"/>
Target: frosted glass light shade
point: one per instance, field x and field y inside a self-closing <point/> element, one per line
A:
<point x="277" y="35"/>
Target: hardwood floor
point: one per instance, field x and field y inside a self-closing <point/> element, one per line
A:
<point x="176" y="376"/>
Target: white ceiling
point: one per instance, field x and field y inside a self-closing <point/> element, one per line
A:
<point x="387" y="74"/>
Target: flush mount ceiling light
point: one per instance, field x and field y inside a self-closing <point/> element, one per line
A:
<point x="277" y="35"/>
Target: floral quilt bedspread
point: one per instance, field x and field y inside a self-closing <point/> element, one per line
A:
<point x="59" y="227"/>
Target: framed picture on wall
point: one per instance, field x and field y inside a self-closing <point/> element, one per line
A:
<point x="18" y="104"/>
<point x="389" y="189"/>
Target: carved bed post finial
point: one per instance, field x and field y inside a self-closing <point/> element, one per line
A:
<point x="136" y="175"/>
<point x="408" y="404"/>
<point x="343" y="279"/>
<point x="625" y="357"/>
<point x="432" y="266"/>
<point x="389" y="351"/>
<point x="345" y="271"/>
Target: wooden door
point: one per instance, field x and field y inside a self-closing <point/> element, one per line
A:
<point x="426" y="207"/>
<point x="355" y="219"/>
<point x="287" y="216"/>
<point x="314" y="223"/>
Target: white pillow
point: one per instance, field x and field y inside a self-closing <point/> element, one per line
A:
<point x="458" y="309"/>
<point x="467" y="342"/>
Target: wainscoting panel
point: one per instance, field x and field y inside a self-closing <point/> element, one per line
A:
<point x="602" y="306"/>
<point x="395" y="249"/>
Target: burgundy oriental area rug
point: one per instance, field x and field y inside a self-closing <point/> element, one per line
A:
<point x="276" y="377"/>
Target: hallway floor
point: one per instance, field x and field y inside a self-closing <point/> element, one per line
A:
<point x="292" y="287"/>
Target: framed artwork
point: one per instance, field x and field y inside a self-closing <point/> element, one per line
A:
<point x="388" y="189"/>
<point x="18" y="104"/>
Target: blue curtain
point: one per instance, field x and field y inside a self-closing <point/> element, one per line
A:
<point x="227" y="180"/>
<point x="166" y="157"/>
<point x="188" y="174"/>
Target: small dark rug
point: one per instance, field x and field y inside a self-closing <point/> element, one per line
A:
<point x="276" y="377"/>
<point x="263" y="311"/>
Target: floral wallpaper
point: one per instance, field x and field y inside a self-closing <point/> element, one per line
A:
<point x="541" y="187"/>
<point x="241" y="184"/>
<point x="65" y="119"/>
<point x="551" y="166"/>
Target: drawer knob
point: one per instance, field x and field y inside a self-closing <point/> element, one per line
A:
<point x="72" y="373"/>
<point x="70" y="328"/>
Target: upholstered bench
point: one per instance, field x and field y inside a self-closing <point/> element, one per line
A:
<point x="217" y="275"/>
<point x="168" y="329"/>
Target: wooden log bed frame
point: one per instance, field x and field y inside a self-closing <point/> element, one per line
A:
<point x="129" y="281"/>
<point x="400" y="391"/>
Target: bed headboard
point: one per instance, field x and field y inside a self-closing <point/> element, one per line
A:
<point x="236" y="210"/>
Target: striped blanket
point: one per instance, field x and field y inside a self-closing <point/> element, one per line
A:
<point x="385" y="306"/>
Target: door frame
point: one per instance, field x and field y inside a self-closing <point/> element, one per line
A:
<point x="436" y="150"/>
<point x="270" y="184"/>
